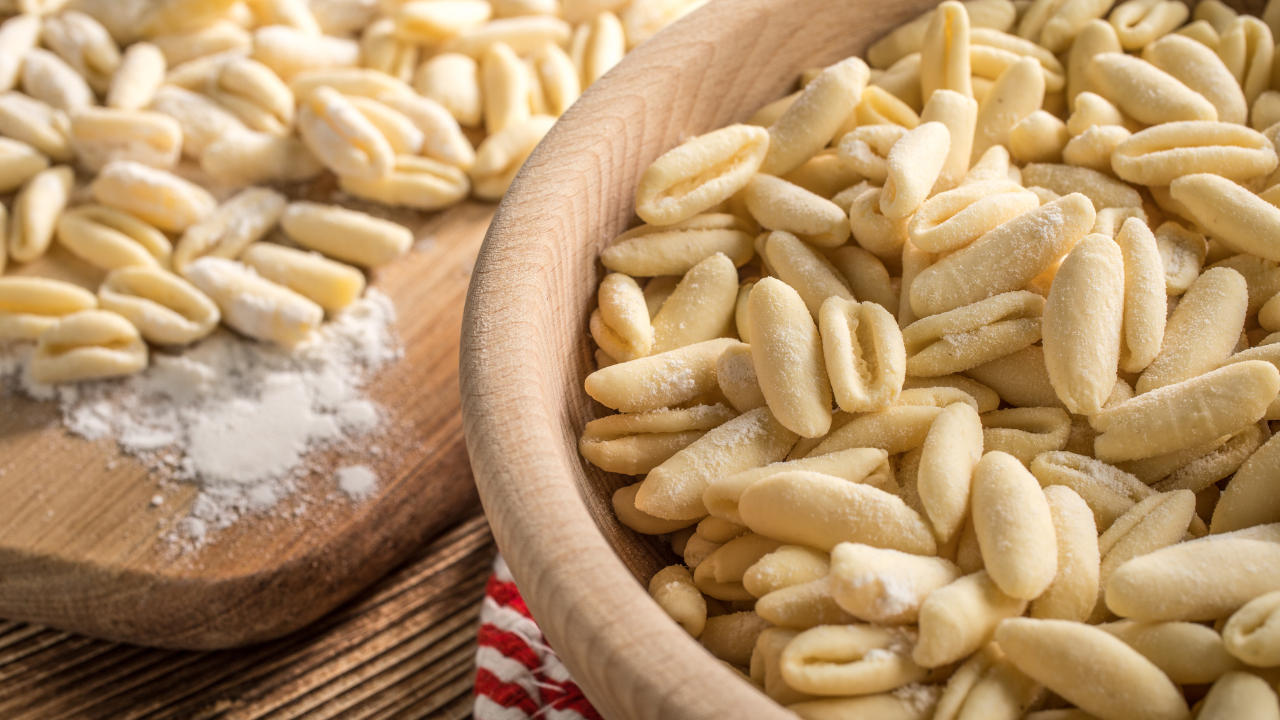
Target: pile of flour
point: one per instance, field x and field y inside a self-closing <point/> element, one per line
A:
<point x="236" y="416"/>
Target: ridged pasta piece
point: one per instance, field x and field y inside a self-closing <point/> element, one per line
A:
<point x="166" y="309"/>
<point x="846" y="660"/>
<point x="863" y="353"/>
<point x="1188" y="653"/>
<point x="718" y="164"/>
<point x="992" y="266"/>
<point x="87" y="345"/>
<point x="674" y="489"/>
<point x="964" y="338"/>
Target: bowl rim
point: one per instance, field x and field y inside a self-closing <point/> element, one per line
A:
<point x="571" y="578"/>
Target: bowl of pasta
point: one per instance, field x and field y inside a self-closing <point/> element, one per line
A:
<point x="849" y="359"/>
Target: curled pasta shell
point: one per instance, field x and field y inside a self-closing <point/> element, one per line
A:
<point x="841" y="660"/>
<point x="1161" y="154"/>
<point x="111" y="239"/>
<point x="960" y="339"/>
<point x="31" y="305"/>
<point x="1108" y="491"/>
<point x="944" y="51"/>
<point x="1252" y="633"/>
<point x="166" y="309"/>
<point x="863" y="352"/>
<point x="699" y="174"/>
<point x="87" y="345"/>
<point x="1026" y="432"/>
<point x="1200" y="69"/>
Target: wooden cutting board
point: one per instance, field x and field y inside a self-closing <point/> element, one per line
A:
<point x="82" y="547"/>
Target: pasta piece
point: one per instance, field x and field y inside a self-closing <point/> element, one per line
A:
<point x="812" y="121"/>
<point x="232" y="227"/>
<point x="87" y="345"/>
<point x="961" y="617"/>
<point x="1201" y="332"/>
<point x="330" y="284"/>
<point x="700" y="308"/>
<point x="1041" y="236"/>
<point x="848" y="660"/>
<point x="253" y="305"/>
<point x="820" y="511"/>
<point x="1091" y="669"/>
<point x="788" y="357"/>
<point x="160" y="198"/>
<point x="1014" y="527"/>
<point x="1082" y="324"/>
<point x="36" y="210"/>
<point x="110" y="239"/>
<point x="166" y="309"/>
<point x="721" y="162"/>
<point x="944" y="51"/>
<point x="1200" y="69"/>
<point x="1026" y="432"/>
<point x="31" y="305"/>
<point x="674" y="489"/>
<point x="869" y="466"/>
<point x="964" y="338"/>
<point x="863" y="353"/>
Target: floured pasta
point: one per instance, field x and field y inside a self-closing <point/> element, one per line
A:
<point x="1002" y="440"/>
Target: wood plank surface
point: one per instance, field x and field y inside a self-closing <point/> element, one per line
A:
<point x="402" y="649"/>
<point x="82" y="546"/>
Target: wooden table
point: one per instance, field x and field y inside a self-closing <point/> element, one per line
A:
<point x="402" y="649"/>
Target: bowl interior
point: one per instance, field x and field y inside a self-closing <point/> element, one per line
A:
<point x="527" y="349"/>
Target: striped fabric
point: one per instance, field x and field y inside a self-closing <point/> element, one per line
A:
<point x="518" y="676"/>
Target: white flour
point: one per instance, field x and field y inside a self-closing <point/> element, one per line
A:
<point x="236" y="416"/>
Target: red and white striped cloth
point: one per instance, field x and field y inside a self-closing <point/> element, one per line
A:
<point x="519" y="676"/>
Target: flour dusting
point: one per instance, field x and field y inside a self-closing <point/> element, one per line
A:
<point x="236" y="416"/>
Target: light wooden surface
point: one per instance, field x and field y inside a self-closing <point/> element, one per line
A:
<point x="403" y="649"/>
<point x="526" y="349"/>
<point x="81" y="546"/>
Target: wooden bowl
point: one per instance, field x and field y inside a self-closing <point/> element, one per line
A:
<point x="526" y="348"/>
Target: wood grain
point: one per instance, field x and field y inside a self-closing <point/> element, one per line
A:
<point x="405" y="648"/>
<point x="526" y="350"/>
<point x="82" y="548"/>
